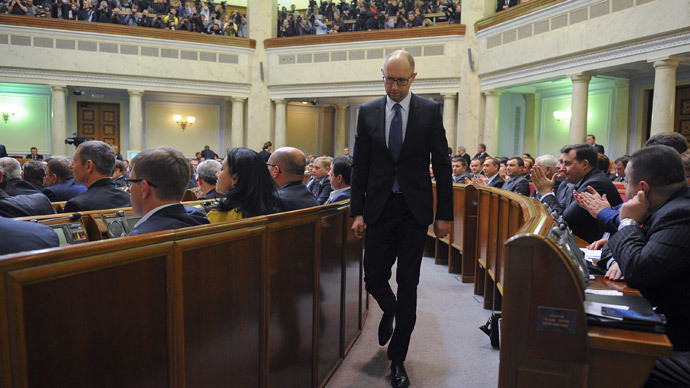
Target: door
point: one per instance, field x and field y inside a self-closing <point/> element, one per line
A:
<point x="98" y="121"/>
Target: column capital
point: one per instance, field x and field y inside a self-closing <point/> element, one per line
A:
<point x="279" y="101"/>
<point x="582" y="77"/>
<point x="58" y="88"/>
<point x="135" y="92"/>
<point x="238" y="100"/>
<point x="493" y="93"/>
<point x="669" y="62"/>
<point x="341" y="106"/>
<point x="449" y="96"/>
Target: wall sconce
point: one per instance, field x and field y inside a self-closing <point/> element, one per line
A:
<point x="6" y="116"/>
<point x="183" y="124"/>
<point x="562" y="115"/>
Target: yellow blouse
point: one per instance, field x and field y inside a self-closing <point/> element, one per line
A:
<point x="216" y="216"/>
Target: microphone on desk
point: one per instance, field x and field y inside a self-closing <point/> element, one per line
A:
<point x="73" y="217"/>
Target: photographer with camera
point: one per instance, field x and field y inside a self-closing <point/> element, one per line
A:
<point x="242" y="27"/>
<point x="171" y="20"/>
<point x="18" y="7"/>
<point x="115" y="17"/>
<point x="144" y="20"/>
<point x="158" y="22"/>
<point x="286" y="29"/>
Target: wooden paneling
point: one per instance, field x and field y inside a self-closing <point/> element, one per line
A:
<point x="351" y="37"/>
<point x="354" y="296"/>
<point x="116" y="29"/>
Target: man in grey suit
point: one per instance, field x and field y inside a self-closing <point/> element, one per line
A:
<point x="392" y="198"/>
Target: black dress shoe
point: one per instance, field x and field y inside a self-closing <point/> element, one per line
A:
<point x="386" y="328"/>
<point x="399" y="378"/>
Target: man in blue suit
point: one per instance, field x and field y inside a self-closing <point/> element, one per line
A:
<point x="60" y="185"/>
<point x="158" y="182"/>
<point x="19" y="236"/>
<point x="392" y="198"/>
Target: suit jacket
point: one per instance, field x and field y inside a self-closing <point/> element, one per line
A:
<point x="171" y="217"/>
<point x="24" y="205"/>
<point x="20" y="187"/>
<point x="211" y="195"/>
<point x="63" y="191"/>
<point x="374" y="169"/>
<point x="120" y="181"/>
<point x="654" y="259"/>
<point x="265" y="154"/>
<point x="3" y="151"/>
<point x="343" y="195"/>
<point x="518" y="185"/>
<point x="461" y="178"/>
<point x="324" y="190"/>
<point x="102" y="194"/>
<point x="37" y="157"/>
<point x="480" y="155"/>
<point x="466" y="156"/>
<point x="579" y="220"/>
<point x="19" y="236"/>
<point x="497" y="182"/>
<point x="501" y="3"/>
<point x="598" y="147"/>
<point x="295" y="196"/>
<point x="208" y="154"/>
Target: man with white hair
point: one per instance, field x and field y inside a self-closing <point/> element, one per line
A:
<point x="207" y="177"/>
<point x="549" y="164"/>
<point x="12" y="181"/>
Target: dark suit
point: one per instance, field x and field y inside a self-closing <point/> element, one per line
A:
<point x="295" y="196"/>
<point x="3" y="151"/>
<point x="518" y="185"/>
<point x="20" y="187"/>
<point x="579" y="220"/>
<point x="265" y="154"/>
<point x="461" y="178"/>
<point x="397" y="223"/>
<point x="19" y="236"/>
<point x="211" y="195"/>
<point x="654" y="259"/>
<point x="63" y="191"/>
<point x="208" y="154"/>
<point x="497" y="181"/>
<point x="480" y="155"/>
<point x="120" y="181"/>
<point x="102" y="194"/>
<point x="343" y="195"/>
<point x="171" y="217"/>
<point x="466" y="156"/>
<point x="24" y="205"/>
<point x="34" y="157"/>
<point x="323" y="191"/>
<point x="501" y="3"/>
<point x="598" y="147"/>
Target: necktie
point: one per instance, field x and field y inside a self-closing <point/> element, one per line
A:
<point x="315" y="188"/>
<point x="395" y="140"/>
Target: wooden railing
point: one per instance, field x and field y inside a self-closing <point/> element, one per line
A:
<point x="514" y="12"/>
<point x="255" y="303"/>
<point x="117" y="29"/>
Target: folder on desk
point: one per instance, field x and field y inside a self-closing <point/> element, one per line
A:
<point x="629" y="312"/>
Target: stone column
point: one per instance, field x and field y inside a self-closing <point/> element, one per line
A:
<point x="59" y="122"/>
<point x="449" y="103"/>
<point x="136" y="130"/>
<point x="491" y="121"/>
<point x="281" y="124"/>
<point x="238" y="122"/>
<point x="340" y="133"/>
<point x="663" y="105"/>
<point x="578" y="108"/>
<point x="531" y="123"/>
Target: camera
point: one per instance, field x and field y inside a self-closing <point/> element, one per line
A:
<point x="76" y="140"/>
<point x="313" y="102"/>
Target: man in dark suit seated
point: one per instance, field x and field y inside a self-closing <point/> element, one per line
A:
<point x="23" y="205"/>
<point x="580" y="170"/>
<point x="321" y="187"/>
<point x="119" y="174"/>
<point x="34" y="154"/>
<point x="158" y="182"/>
<point x="286" y="166"/>
<point x="460" y="171"/>
<point x="208" y="177"/>
<point x="481" y="152"/>
<point x="92" y="167"/>
<point x="34" y="173"/>
<point x="517" y="183"/>
<point x="12" y="181"/>
<point x="651" y="249"/>
<point x="339" y="175"/>
<point x="493" y="178"/>
<point x="19" y="236"/>
<point x="551" y="166"/>
<point x="59" y="185"/>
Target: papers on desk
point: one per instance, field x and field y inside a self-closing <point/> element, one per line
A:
<point x="594" y="309"/>
<point x="630" y="312"/>
<point x="591" y="254"/>
<point x="603" y="292"/>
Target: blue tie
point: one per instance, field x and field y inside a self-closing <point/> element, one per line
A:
<point x="395" y="140"/>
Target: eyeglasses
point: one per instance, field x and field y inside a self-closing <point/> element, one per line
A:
<point x="271" y="164"/>
<point x="129" y="181"/>
<point x="399" y="81"/>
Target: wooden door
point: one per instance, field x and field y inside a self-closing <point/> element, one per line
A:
<point x="682" y="114"/>
<point x="98" y="121"/>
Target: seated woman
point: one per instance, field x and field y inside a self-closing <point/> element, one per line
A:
<point x="248" y="187"/>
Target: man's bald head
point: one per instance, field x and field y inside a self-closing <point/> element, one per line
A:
<point x="291" y="163"/>
<point x="400" y="55"/>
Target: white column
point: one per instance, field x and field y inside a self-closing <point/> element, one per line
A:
<point x="136" y="130"/>
<point x="340" y="133"/>
<point x="59" y="122"/>
<point x="578" y="108"/>
<point x="663" y="105"/>
<point x="281" y="123"/>
<point x="449" y="103"/>
<point x="238" y="122"/>
<point x="491" y="121"/>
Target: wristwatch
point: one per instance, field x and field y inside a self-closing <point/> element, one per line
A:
<point x="626" y="222"/>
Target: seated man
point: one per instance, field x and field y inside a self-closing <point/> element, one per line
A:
<point x="19" y="236"/>
<point x="34" y="154"/>
<point x="550" y="167"/>
<point x="517" y="183"/>
<point x="339" y="175"/>
<point x="119" y="174"/>
<point x="493" y="179"/>
<point x="286" y="166"/>
<point x="208" y="177"/>
<point x="92" y="166"/>
<point x="59" y="185"/>
<point x="579" y="168"/>
<point x="654" y="257"/>
<point x="23" y="205"/>
<point x="321" y="188"/>
<point x="159" y="179"/>
<point x="34" y="173"/>
<point x="12" y="181"/>
<point x="460" y="169"/>
<point x="475" y="168"/>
